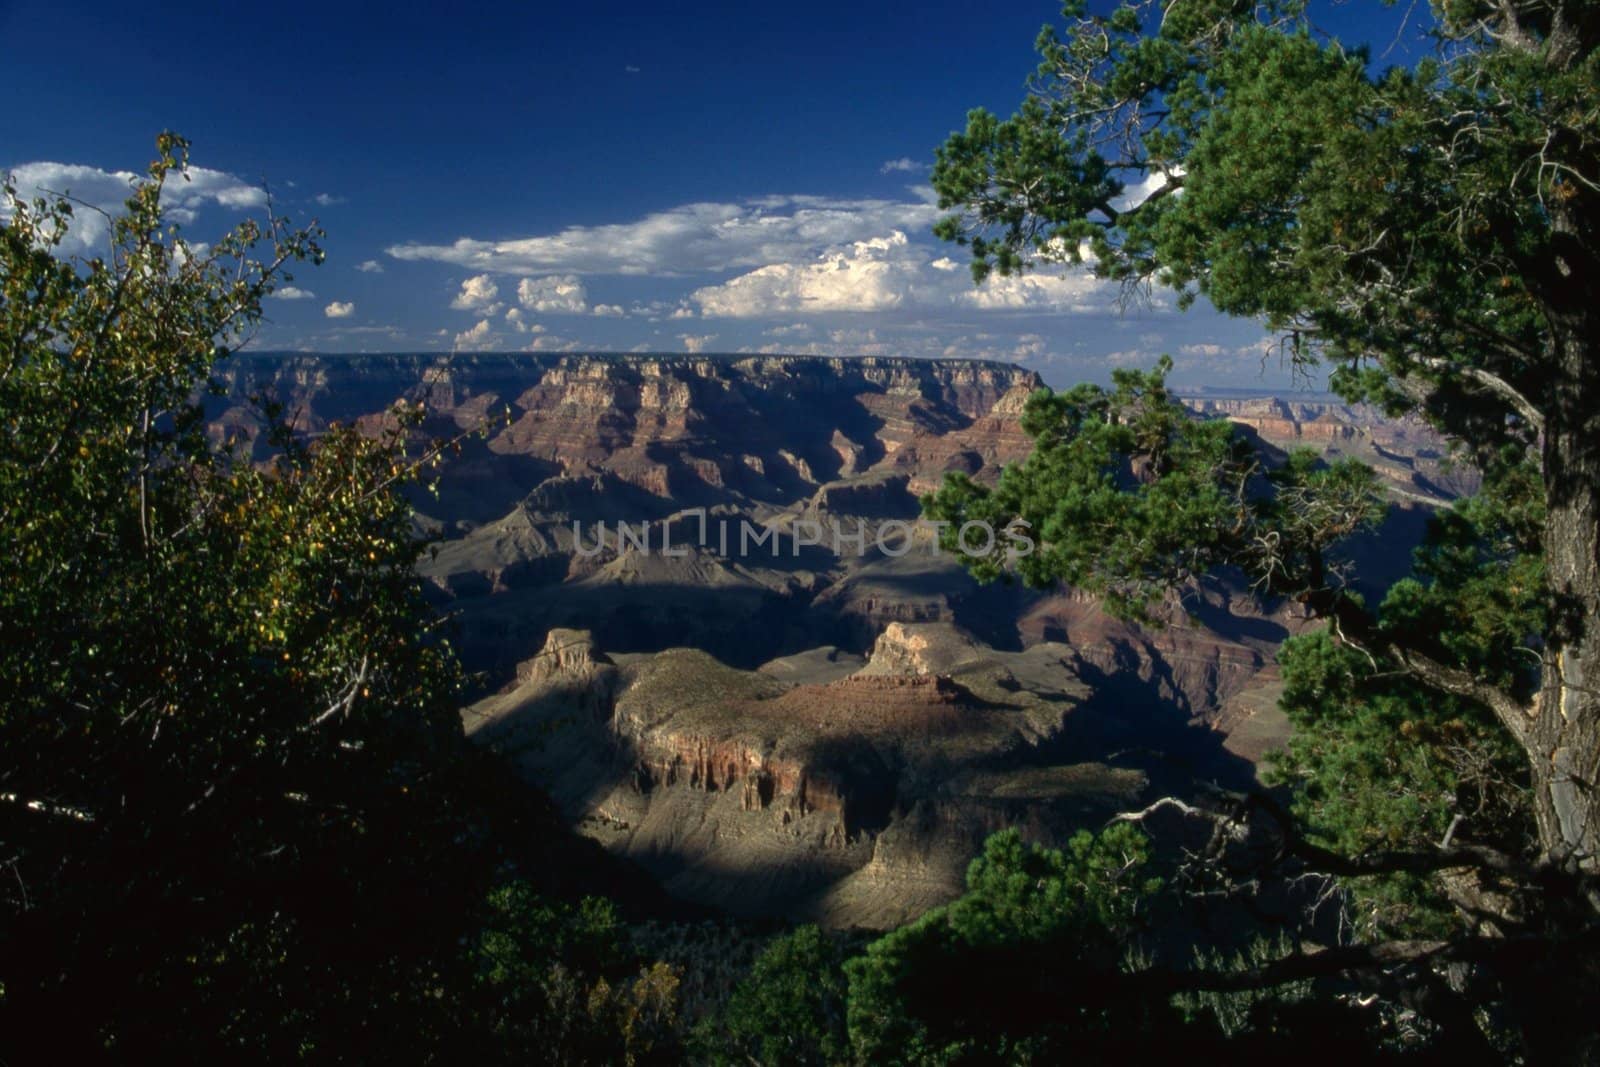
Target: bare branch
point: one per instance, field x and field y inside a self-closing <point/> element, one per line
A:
<point x="1515" y="715"/>
<point x="343" y="705"/>
<point x="48" y="807"/>
<point x="1493" y="383"/>
<point x="1351" y="624"/>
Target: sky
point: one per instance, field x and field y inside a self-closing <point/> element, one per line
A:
<point x="598" y="177"/>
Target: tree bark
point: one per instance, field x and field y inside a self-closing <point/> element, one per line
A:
<point x="1563" y="741"/>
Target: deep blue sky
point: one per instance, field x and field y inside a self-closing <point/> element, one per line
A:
<point x="740" y="152"/>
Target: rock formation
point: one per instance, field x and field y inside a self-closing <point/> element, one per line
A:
<point x="854" y="800"/>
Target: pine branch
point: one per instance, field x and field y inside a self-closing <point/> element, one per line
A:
<point x="1352" y="625"/>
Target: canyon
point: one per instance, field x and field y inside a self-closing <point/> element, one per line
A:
<point x="808" y="726"/>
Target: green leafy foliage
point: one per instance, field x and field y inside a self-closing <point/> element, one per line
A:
<point x="1239" y="1013"/>
<point x="1009" y="972"/>
<point x="1127" y="495"/>
<point x="559" y="983"/>
<point x="1476" y="597"/>
<point x="1388" y="222"/>
<point x="238" y="818"/>
<point x="790" y="1008"/>
<point x="224" y="712"/>
<point x="1378" y="761"/>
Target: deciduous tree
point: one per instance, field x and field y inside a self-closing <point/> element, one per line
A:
<point x="236" y="815"/>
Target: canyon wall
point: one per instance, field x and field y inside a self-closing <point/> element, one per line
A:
<point x="805" y="726"/>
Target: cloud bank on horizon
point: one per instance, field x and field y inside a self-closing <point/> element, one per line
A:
<point x="786" y="255"/>
<point x="690" y="239"/>
<point x="796" y="273"/>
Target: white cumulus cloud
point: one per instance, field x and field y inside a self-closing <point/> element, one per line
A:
<point x="1052" y="287"/>
<point x="559" y="293"/>
<point x="551" y="343"/>
<point x="479" y="336"/>
<point x="903" y="165"/>
<point x="519" y="321"/>
<point x="370" y="266"/>
<point x="696" y="343"/>
<point x="870" y="275"/>
<point x="290" y="292"/>
<point x="339" y="309"/>
<point x="689" y="239"/>
<point x="476" y="292"/>
<point x="886" y="273"/>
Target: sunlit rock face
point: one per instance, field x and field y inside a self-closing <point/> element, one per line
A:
<point x="771" y="426"/>
<point x="821" y="786"/>
<point x="710" y="626"/>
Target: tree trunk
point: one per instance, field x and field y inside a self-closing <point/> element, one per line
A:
<point x="1563" y="739"/>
